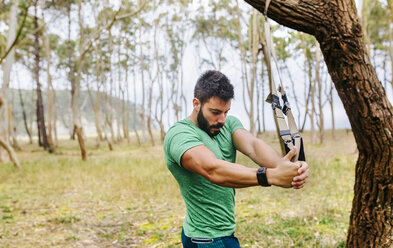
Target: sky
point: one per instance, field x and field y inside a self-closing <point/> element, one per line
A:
<point x="232" y="69"/>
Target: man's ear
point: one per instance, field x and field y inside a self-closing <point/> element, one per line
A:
<point x="197" y="104"/>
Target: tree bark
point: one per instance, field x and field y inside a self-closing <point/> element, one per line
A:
<point x="337" y="28"/>
<point x="75" y="96"/>
<point x="43" y="138"/>
<point x="11" y="153"/>
<point x="51" y="93"/>
<point x="7" y="66"/>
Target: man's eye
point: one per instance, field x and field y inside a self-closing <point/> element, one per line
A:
<point x="216" y="113"/>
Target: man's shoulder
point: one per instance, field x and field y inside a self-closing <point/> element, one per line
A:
<point x="180" y="127"/>
<point x="231" y="119"/>
<point x="233" y="122"/>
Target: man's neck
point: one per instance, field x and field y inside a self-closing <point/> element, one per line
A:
<point x="193" y="118"/>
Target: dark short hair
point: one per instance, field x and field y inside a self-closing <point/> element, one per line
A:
<point x="213" y="83"/>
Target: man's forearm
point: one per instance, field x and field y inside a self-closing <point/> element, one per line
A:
<point x="238" y="176"/>
<point x="231" y="175"/>
<point x="264" y="155"/>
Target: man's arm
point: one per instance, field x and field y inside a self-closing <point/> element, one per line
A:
<point x="201" y="160"/>
<point x="256" y="149"/>
<point x="265" y="156"/>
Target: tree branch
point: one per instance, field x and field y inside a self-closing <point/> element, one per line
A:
<point x="16" y="38"/>
<point x="302" y="15"/>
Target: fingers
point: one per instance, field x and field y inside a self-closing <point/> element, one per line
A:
<point x="290" y="154"/>
<point x="301" y="177"/>
<point x="303" y="167"/>
<point x="299" y="181"/>
<point x="299" y="184"/>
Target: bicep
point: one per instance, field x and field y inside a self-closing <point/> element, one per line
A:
<point x="244" y="141"/>
<point x="199" y="159"/>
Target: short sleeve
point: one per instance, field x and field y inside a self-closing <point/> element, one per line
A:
<point x="234" y="123"/>
<point x="180" y="142"/>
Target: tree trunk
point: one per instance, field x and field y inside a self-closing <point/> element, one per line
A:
<point x="7" y="66"/>
<point x="31" y="115"/>
<point x="332" y="110"/>
<point x="11" y="153"/>
<point x="248" y="86"/>
<point x="124" y="104"/>
<point x="12" y="129"/>
<point x="96" y="110"/>
<point x="51" y="93"/>
<point x="71" y="67"/>
<point x="149" y="110"/>
<point x="25" y="116"/>
<point x="337" y="28"/>
<point x="43" y="138"/>
<point x="75" y="96"/>
<point x="321" y="127"/>
<point x="141" y="61"/>
<point x="134" y="111"/>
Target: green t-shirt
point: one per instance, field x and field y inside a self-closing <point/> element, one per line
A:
<point x="210" y="208"/>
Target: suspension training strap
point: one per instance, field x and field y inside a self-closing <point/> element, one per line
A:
<point x="289" y="132"/>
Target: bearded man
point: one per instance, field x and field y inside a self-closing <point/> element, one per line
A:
<point x="200" y="152"/>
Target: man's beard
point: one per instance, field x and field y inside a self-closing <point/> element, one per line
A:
<point x="204" y="125"/>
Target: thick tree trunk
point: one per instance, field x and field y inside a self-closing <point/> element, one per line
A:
<point x="337" y="28"/>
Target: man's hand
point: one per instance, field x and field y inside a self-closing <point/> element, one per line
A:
<point x="288" y="174"/>
<point x="300" y="179"/>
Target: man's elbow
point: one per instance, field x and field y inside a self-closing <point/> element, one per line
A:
<point x="213" y="176"/>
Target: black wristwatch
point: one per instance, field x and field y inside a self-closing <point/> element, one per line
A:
<point x="262" y="178"/>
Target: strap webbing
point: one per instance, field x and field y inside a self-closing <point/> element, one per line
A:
<point x="288" y="131"/>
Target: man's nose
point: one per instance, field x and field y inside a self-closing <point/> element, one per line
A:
<point x="221" y="118"/>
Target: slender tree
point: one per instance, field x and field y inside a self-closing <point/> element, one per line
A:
<point x="7" y="66"/>
<point x="42" y="135"/>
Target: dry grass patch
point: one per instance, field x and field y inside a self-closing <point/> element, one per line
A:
<point x="127" y="198"/>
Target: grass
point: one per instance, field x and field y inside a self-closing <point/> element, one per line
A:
<point x="127" y="198"/>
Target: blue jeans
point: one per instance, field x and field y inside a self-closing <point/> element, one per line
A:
<point x="223" y="242"/>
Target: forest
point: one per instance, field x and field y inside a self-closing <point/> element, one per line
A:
<point x="90" y="88"/>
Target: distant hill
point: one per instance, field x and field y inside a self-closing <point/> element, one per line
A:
<point x="63" y="107"/>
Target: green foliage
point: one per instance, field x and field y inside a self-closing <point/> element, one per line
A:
<point x="378" y="24"/>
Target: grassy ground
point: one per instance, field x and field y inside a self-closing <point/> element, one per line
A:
<point x="127" y="198"/>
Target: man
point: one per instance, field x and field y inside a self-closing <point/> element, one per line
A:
<point x="200" y="152"/>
